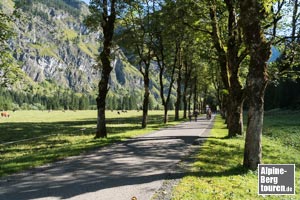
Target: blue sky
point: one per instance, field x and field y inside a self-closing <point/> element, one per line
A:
<point x="86" y="1"/>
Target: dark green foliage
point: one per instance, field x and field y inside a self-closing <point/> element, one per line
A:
<point x="12" y="100"/>
<point x="9" y="71"/>
<point x="284" y="94"/>
<point x="126" y="102"/>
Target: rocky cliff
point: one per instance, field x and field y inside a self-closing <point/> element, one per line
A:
<point x="52" y="43"/>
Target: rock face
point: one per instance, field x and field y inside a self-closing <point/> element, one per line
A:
<point x="52" y="43"/>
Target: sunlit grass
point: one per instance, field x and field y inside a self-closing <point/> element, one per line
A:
<point x="217" y="172"/>
<point x="60" y="134"/>
<point x="283" y="126"/>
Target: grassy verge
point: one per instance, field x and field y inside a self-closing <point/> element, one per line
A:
<point x="44" y="137"/>
<point x="217" y="172"/>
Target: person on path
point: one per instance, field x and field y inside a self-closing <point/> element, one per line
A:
<point x="208" y="112"/>
<point x="196" y="113"/>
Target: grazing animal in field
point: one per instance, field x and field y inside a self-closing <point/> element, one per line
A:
<point x="5" y="114"/>
<point x="118" y="112"/>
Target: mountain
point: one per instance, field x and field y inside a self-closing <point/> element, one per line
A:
<point x="53" y="44"/>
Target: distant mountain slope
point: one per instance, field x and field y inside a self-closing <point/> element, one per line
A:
<point x="52" y="43"/>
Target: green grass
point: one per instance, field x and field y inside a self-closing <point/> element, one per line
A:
<point x="89" y="48"/>
<point x="69" y="34"/>
<point x="46" y="49"/>
<point x="61" y="134"/>
<point x="283" y="126"/>
<point x="217" y="171"/>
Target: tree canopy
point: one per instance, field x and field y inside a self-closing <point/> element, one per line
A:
<point x="9" y="70"/>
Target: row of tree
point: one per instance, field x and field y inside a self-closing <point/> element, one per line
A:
<point x="65" y="99"/>
<point x="196" y="45"/>
<point x="201" y="48"/>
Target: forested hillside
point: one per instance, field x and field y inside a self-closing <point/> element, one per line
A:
<point x="57" y="52"/>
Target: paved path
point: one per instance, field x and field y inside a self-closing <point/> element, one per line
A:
<point x="137" y="167"/>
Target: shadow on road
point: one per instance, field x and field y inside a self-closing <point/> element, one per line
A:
<point x="142" y="160"/>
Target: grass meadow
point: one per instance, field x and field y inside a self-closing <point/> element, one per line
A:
<point x="33" y="138"/>
<point x="217" y="171"/>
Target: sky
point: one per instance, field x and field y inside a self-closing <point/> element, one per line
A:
<point x="86" y="1"/>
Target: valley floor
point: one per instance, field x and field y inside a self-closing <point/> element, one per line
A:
<point x="136" y="167"/>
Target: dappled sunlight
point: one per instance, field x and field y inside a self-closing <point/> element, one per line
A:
<point x="139" y="163"/>
<point x="217" y="171"/>
<point x="42" y="137"/>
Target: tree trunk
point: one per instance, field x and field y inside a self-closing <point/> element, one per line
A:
<point x="235" y="117"/>
<point x="101" y="99"/>
<point x="190" y="98"/>
<point x="223" y="107"/>
<point x="178" y="100"/>
<point x="107" y="24"/>
<point x="162" y="68"/>
<point x="235" y="105"/>
<point x="195" y="96"/>
<point x="185" y="104"/>
<point x="146" y="100"/>
<point x="252" y="13"/>
<point x="236" y="96"/>
<point x="187" y="77"/>
<point x="166" y="114"/>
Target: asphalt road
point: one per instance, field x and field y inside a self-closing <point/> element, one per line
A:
<point x="136" y="167"/>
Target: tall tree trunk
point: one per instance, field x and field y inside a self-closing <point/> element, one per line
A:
<point x="101" y="122"/>
<point x="107" y="24"/>
<point x="190" y="98"/>
<point x="187" y="78"/>
<point x="235" y="109"/>
<point x="235" y="117"/>
<point x="178" y="100"/>
<point x="162" y="68"/>
<point x="195" y="99"/>
<point x="222" y="58"/>
<point x="166" y="114"/>
<point x="185" y="103"/>
<point x="230" y="63"/>
<point x="252" y="13"/>
<point x="146" y="98"/>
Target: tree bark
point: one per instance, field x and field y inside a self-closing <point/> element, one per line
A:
<point x="230" y="63"/>
<point x="195" y="99"/>
<point x="146" y="98"/>
<point x="252" y="13"/>
<point x="179" y="95"/>
<point x="107" y="24"/>
<point x="235" y="117"/>
<point x="178" y="100"/>
<point x="160" y="56"/>
<point x="187" y="78"/>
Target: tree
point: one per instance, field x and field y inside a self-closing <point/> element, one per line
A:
<point x="187" y="47"/>
<point x="9" y="70"/>
<point x="252" y="14"/>
<point x="230" y="55"/>
<point x="139" y="37"/>
<point x="282" y="91"/>
<point x="103" y="13"/>
<point x="179" y="80"/>
<point x="187" y="83"/>
<point x="167" y="45"/>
